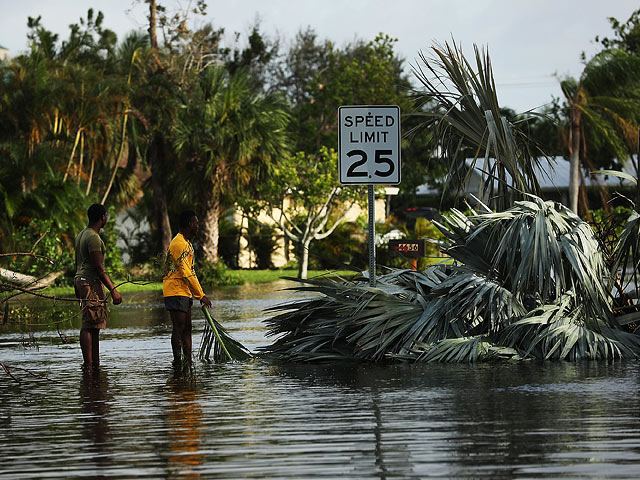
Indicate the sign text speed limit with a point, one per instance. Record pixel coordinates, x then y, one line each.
369 144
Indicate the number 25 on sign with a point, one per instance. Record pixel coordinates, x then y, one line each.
369 144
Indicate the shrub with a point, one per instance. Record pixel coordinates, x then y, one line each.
229 242
217 274
262 242
345 246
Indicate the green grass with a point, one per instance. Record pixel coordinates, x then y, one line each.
266 276
247 276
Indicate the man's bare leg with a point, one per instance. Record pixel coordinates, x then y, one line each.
179 320
95 341
90 345
86 346
186 336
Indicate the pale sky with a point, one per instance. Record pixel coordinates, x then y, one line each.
530 41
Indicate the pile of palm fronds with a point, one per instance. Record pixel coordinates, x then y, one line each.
529 282
217 345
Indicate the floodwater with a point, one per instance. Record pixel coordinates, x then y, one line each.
137 418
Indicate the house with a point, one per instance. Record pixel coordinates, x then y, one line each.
4 53
552 174
284 250
131 226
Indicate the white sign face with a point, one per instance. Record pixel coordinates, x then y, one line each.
369 145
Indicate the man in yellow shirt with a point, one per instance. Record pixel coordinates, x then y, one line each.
180 284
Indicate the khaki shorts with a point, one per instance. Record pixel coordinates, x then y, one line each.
92 304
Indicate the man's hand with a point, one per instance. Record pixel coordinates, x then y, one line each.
117 298
205 301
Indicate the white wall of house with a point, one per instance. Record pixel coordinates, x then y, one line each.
284 251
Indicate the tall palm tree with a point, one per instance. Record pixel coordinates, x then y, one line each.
604 108
227 136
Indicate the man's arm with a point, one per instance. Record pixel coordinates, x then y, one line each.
97 259
182 260
196 289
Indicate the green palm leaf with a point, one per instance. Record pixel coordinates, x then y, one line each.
217 345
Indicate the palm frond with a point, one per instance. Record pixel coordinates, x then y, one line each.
217 345
559 332
467 122
465 349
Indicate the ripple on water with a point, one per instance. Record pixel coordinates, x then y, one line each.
136 417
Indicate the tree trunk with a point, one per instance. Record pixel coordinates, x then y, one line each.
209 228
153 37
574 159
123 145
28 281
161 211
303 267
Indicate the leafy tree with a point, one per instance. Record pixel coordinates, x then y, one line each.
627 34
303 197
229 137
60 103
318 78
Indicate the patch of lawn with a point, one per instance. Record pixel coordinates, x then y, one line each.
247 276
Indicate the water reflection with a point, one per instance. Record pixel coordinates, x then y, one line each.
184 426
135 417
94 402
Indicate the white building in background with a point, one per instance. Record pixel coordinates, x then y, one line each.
130 224
284 249
4 53
552 174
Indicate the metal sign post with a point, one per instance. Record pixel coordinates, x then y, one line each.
369 154
372 235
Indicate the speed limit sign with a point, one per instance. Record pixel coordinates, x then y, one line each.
369 144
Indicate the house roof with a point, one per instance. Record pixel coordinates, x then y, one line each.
552 173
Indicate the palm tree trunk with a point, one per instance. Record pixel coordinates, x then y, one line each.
574 159
123 139
73 152
209 228
93 164
153 37
161 211
80 162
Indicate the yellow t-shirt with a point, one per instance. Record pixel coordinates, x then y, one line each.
181 279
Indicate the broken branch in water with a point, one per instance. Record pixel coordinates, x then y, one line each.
11 286
30 253
21 290
8 372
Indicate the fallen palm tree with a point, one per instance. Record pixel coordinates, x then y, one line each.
528 278
529 282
